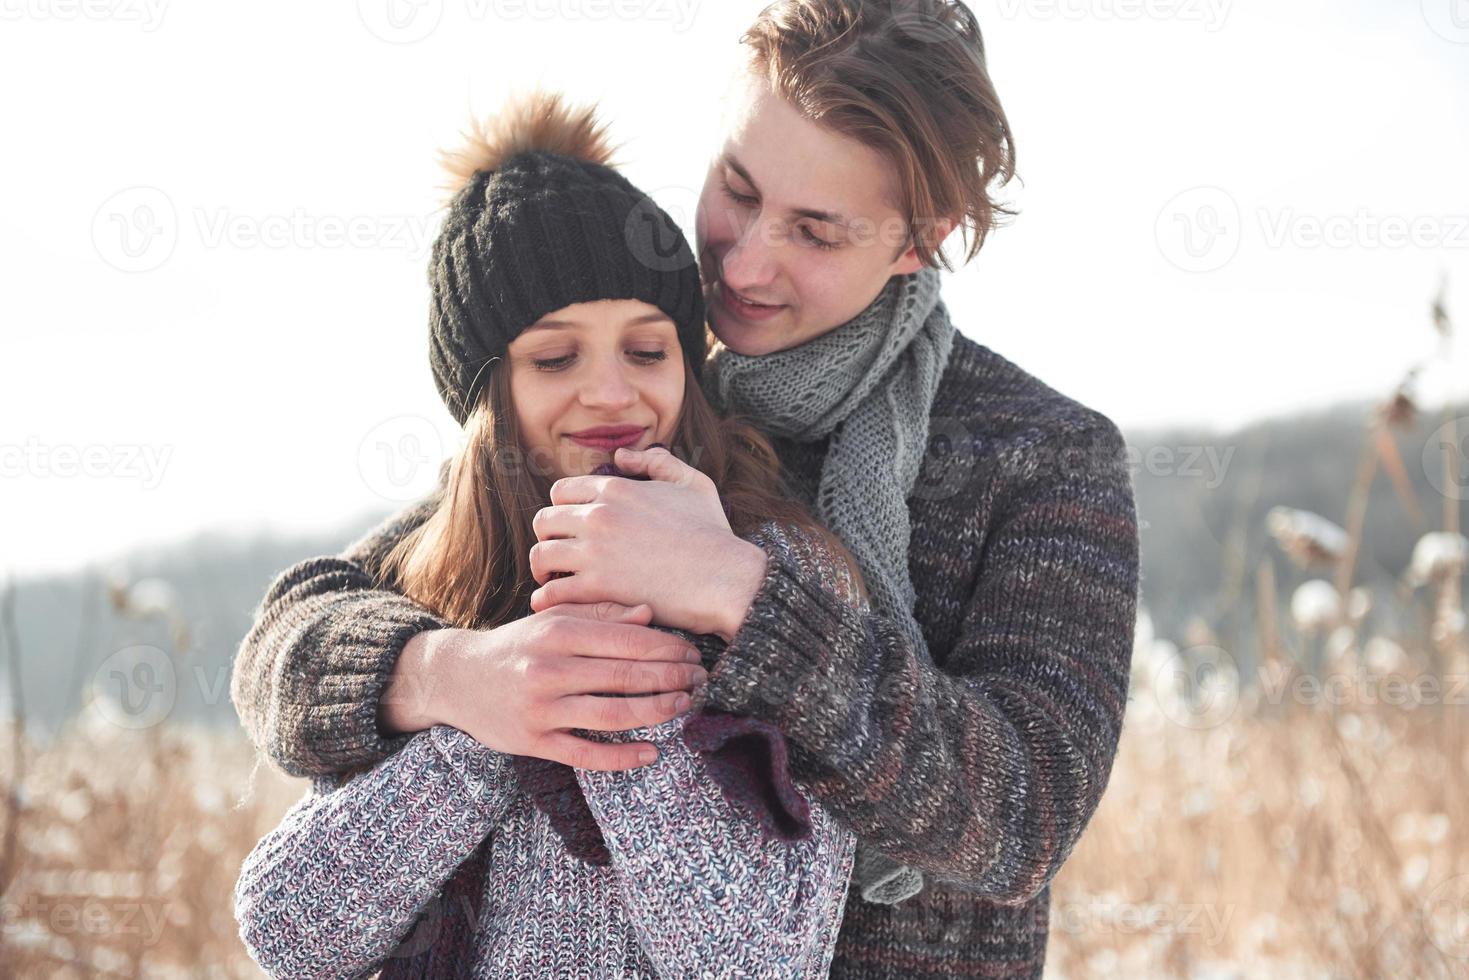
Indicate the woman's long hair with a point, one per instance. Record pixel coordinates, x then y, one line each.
469 563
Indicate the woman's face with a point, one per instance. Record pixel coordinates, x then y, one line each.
592 377
796 229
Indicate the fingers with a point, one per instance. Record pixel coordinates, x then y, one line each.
581 753
620 714
549 557
559 521
558 591
578 489
605 612
588 675
660 464
622 641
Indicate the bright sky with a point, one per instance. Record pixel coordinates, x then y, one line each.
214 223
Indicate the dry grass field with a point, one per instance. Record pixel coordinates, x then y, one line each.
1244 834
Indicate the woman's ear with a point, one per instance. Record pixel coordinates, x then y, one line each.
907 261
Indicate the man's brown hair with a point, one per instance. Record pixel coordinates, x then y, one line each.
907 78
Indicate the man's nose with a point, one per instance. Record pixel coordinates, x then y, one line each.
752 261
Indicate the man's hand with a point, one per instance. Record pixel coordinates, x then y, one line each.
518 688
665 542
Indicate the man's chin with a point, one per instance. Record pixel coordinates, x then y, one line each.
750 340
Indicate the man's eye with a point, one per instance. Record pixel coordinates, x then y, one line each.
735 196
813 240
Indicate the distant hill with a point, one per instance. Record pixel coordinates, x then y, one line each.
1202 497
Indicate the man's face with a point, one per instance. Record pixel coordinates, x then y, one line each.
796 228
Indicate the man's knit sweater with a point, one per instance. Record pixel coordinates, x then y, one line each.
360 876
980 767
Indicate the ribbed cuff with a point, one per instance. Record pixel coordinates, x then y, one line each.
783 665
340 726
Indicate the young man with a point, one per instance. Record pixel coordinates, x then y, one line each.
965 730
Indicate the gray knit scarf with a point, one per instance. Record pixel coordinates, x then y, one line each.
869 385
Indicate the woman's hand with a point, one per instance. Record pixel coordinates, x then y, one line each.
664 542
519 687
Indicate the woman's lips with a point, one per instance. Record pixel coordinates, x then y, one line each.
743 310
608 438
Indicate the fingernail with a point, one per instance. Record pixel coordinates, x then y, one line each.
700 675
694 656
681 703
647 755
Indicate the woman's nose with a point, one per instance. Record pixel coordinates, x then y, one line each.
609 387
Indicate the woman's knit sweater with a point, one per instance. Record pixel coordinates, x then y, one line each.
980 766
356 877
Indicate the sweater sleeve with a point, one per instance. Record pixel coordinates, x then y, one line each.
710 886
982 772
308 676
335 888
707 890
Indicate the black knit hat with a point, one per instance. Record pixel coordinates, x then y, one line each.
540 221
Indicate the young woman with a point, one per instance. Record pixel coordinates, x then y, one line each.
555 341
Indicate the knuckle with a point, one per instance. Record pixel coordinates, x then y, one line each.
558 633
630 646
624 674
579 755
536 672
609 712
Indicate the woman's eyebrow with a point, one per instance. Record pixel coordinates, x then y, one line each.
638 321
829 217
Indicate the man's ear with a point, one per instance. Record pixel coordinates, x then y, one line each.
907 261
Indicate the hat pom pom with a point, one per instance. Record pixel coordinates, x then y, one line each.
539 121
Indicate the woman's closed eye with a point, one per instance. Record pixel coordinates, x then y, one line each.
564 361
